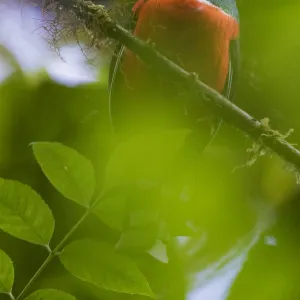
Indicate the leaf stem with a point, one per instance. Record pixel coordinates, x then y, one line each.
51 255
11 296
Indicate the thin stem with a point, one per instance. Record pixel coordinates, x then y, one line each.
69 234
11 296
36 275
51 255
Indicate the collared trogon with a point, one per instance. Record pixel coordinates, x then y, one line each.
199 35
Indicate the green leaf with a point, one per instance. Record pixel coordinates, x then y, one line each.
143 158
6 273
67 170
24 214
159 252
137 238
112 210
50 294
141 218
100 264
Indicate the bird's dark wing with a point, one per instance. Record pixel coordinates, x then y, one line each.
115 77
115 62
231 84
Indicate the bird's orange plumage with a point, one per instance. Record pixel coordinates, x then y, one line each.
192 33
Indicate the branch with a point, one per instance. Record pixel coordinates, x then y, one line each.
98 22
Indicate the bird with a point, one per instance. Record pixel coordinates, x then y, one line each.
202 37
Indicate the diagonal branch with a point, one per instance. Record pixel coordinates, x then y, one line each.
98 22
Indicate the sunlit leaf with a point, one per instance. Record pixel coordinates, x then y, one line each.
50 294
69 172
143 157
6 273
24 214
159 252
100 264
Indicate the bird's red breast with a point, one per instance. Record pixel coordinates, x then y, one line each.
193 33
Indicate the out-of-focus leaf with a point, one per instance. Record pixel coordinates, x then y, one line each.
111 211
9 57
143 157
24 214
278 184
143 218
6 273
159 252
99 263
69 172
137 238
50 294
